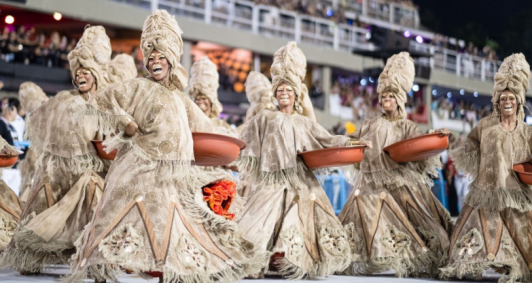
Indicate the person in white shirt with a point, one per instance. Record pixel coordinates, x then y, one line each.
19 124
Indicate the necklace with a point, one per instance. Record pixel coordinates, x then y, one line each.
393 119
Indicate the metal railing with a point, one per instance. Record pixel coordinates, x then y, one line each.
461 64
272 21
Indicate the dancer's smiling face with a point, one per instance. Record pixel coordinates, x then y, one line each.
508 104
285 95
158 66
204 104
388 102
85 80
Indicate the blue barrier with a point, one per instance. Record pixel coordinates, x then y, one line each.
439 190
335 187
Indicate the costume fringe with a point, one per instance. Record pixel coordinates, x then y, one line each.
30 134
77 165
250 167
499 199
390 179
102 272
30 260
420 172
460 270
403 267
293 272
468 162
27 239
108 124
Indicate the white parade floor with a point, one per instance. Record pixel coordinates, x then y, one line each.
9 276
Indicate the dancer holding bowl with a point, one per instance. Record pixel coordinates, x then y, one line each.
392 219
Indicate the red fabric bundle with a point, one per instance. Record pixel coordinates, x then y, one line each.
219 197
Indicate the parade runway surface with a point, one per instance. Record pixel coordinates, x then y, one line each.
55 275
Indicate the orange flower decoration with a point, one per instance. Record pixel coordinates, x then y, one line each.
219 197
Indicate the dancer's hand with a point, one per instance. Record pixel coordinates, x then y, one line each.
356 142
10 151
369 144
132 128
444 132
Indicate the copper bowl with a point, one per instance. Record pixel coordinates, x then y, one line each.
418 148
215 150
334 156
524 171
100 151
8 160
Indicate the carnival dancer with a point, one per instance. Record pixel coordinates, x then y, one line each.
494 229
288 212
66 186
31 96
152 218
10 208
203 89
259 94
392 219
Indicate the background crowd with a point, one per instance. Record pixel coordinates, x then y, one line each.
30 46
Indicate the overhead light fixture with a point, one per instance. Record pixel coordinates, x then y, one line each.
9 19
58 16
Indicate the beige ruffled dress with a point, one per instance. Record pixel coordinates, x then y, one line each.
392 219
10 207
152 216
287 210
65 189
494 228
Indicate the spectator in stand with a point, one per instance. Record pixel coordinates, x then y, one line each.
484 52
18 123
63 53
11 47
53 47
21 40
4 36
31 41
41 52
9 114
